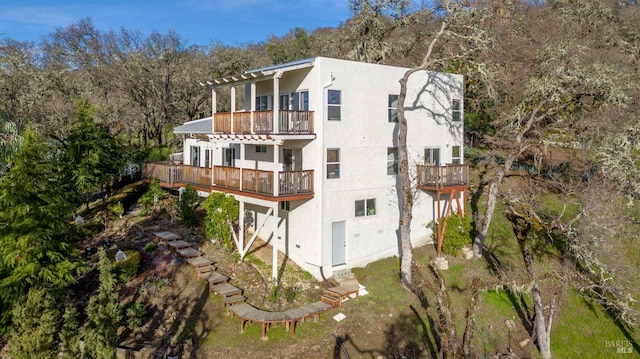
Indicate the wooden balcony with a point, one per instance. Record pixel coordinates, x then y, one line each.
289 122
443 178
258 183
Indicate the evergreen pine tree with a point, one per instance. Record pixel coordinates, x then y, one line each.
35 227
103 316
69 336
33 333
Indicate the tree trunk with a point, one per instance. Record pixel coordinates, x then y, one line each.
494 190
521 228
406 257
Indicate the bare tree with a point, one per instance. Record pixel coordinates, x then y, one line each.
470 39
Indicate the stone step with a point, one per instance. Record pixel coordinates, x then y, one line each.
205 269
227 290
234 299
214 278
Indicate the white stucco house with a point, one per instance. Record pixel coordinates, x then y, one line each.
309 149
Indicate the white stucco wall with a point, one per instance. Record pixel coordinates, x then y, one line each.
363 135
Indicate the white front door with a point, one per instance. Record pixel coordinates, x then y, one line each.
339 244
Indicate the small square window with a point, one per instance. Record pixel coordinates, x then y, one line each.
365 207
261 149
285 205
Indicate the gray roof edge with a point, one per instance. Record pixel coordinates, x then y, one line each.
283 65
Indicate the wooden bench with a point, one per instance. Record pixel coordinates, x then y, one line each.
289 318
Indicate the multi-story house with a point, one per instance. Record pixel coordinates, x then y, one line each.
310 151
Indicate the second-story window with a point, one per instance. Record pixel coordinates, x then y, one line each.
456 155
432 156
261 149
393 108
300 101
263 103
334 102
333 163
456 110
392 160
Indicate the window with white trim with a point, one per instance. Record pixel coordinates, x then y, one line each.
300 101
393 108
392 160
261 149
456 155
365 207
334 102
456 110
432 156
333 163
285 205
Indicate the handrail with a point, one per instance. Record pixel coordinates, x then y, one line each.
289 121
443 176
243 179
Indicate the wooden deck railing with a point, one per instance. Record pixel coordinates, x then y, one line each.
439 177
289 122
255 181
163 171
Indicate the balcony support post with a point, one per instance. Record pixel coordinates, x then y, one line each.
253 106
276 170
214 103
233 105
274 241
241 225
276 102
242 150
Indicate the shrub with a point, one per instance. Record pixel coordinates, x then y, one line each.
186 208
149 247
134 314
456 234
117 209
127 269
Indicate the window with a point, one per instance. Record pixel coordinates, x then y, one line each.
432 156
207 157
456 110
195 156
261 149
300 101
393 108
284 101
392 160
285 205
263 103
333 163
334 101
455 155
366 207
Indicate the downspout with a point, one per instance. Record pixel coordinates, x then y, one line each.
323 170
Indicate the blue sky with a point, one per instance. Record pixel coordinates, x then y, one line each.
233 22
